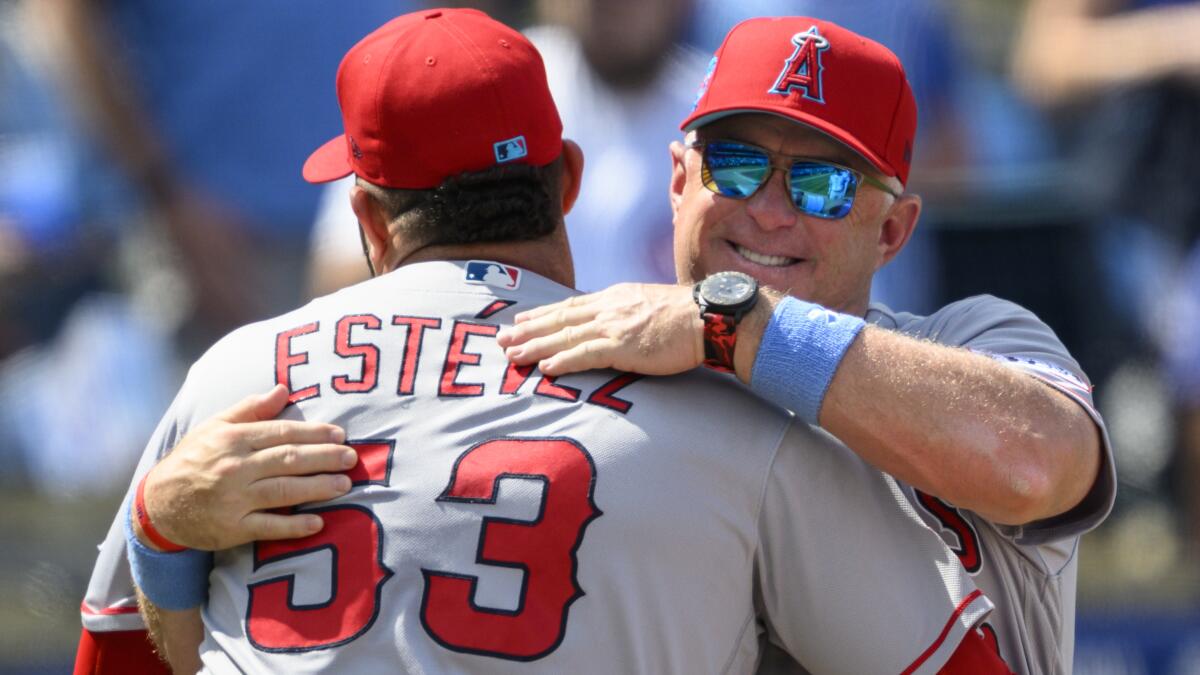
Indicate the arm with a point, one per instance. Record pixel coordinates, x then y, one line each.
104 88
113 639
209 235
951 423
956 424
1071 48
176 635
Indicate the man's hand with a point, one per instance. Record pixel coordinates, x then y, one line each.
653 329
214 489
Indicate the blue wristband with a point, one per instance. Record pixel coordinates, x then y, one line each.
173 581
801 349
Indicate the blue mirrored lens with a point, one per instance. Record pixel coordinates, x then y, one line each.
822 190
818 189
735 170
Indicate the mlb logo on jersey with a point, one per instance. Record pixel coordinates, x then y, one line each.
802 70
510 149
493 274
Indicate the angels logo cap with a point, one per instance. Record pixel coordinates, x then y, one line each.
436 93
819 74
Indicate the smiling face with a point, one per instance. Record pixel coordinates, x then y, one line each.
830 262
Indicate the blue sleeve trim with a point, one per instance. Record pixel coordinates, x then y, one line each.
801 348
173 581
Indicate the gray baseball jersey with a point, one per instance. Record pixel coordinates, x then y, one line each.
502 521
1028 571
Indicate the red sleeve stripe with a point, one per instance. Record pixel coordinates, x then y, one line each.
962 606
117 653
107 611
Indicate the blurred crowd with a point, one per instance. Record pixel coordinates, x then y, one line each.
151 200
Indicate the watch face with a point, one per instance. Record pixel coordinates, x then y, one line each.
728 288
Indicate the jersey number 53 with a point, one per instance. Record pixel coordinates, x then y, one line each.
544 549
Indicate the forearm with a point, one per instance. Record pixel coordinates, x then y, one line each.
952 423
100 81
176 635
1056 57
962 427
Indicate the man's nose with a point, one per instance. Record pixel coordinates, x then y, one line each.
771 207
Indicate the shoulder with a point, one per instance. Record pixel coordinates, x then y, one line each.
232 348
710 399
243 362
962 322
713 415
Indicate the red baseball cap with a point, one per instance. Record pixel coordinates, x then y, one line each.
819 74
436 93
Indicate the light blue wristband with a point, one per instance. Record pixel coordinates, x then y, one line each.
173 581
801 348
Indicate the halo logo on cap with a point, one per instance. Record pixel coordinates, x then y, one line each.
819 75
802 70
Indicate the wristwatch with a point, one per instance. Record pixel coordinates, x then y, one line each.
723 298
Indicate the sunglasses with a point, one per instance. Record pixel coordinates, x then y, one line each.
818 188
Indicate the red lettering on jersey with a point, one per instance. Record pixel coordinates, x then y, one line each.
968 539
497 306
515 377
547 387
374 462
457 357
412 348
275 623
605 394
545 549
285 358
369 354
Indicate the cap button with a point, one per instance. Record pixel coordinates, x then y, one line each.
433 15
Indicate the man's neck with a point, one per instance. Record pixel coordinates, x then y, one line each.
549 256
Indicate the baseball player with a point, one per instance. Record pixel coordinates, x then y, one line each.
978 410
499 520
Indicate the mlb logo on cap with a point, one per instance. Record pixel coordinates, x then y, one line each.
511 149
492 273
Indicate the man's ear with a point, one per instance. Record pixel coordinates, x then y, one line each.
572 178
898 226
373 221
678 174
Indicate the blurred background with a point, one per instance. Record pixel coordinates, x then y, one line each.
151 200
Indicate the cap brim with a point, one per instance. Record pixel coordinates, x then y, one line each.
328 162
831 130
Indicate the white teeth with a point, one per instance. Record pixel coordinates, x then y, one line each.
762 259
